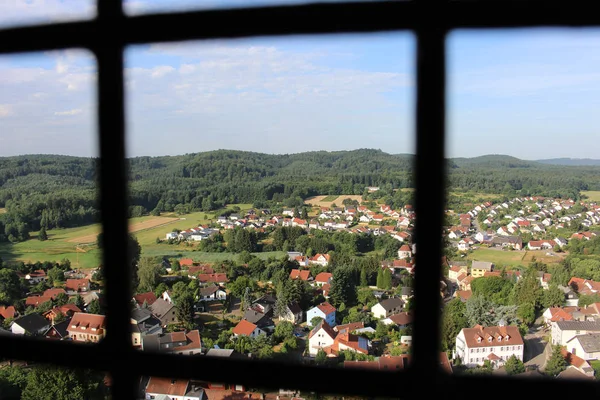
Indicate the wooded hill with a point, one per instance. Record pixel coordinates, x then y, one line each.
60 191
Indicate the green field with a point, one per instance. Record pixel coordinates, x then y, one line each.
59 245
330 198
511 258
476 195
593 195
200 256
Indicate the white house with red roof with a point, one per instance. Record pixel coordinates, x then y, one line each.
321 259
324 337
85 327
404 251
303 275
494 343
247 328
323 278
325 311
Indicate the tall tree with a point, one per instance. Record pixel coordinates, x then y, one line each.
514 366
185 309
42 235
95 308
148 274
343 288
556 363
50 382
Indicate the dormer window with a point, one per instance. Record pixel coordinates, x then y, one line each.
499 338
478 340
490 339
506 338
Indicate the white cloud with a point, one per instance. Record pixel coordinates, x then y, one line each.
21 12
159 72
5 110
74 111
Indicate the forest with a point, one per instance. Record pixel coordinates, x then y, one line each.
50 191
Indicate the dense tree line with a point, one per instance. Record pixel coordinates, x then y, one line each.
59 191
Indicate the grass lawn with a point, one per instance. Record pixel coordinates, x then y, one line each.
593 195
330 198
477 195
511 258
200 256
61 243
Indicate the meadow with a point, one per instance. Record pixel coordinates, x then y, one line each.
79 244
513 258
593 195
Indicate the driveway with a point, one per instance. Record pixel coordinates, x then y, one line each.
536 349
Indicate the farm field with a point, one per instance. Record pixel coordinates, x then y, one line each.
78 244
593 195
327 201
200 256
513 258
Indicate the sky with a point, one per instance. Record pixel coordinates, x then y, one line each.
524 93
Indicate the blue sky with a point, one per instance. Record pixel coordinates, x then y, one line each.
527 93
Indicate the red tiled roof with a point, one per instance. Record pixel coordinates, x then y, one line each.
326 327
77 284
213 278
148 297
298 274
167 386
186 262
323 277
464 294
85 323
402 318
37 300
193 339
493 357
472 334
326 308
244 328
404 247
69 307
54 292
349 327
203 269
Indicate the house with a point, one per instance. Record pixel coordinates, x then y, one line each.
325 311
540 244
164 311
455 270
143 323
36 277
585 346
87 327
321 259
186 262
387 307
261 319
68 310
219 279
463 245
173 343
35 301
401 320
478 268
584 286
404 252
303 275
514 242
77 285
577 367
494 343
246 328
53 293
553 314
293 313
58 331
32 324
544 279
148 297
322 335
171 236
351 327
194 270
212 293
173 389
323 278
563 331
464 282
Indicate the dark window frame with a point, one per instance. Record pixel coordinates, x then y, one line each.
108 34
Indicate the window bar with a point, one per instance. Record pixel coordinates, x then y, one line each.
113 197
430 115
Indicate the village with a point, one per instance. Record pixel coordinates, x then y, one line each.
316 314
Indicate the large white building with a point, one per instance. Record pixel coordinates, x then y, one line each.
564 331
494 343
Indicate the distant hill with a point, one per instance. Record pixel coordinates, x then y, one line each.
570 161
